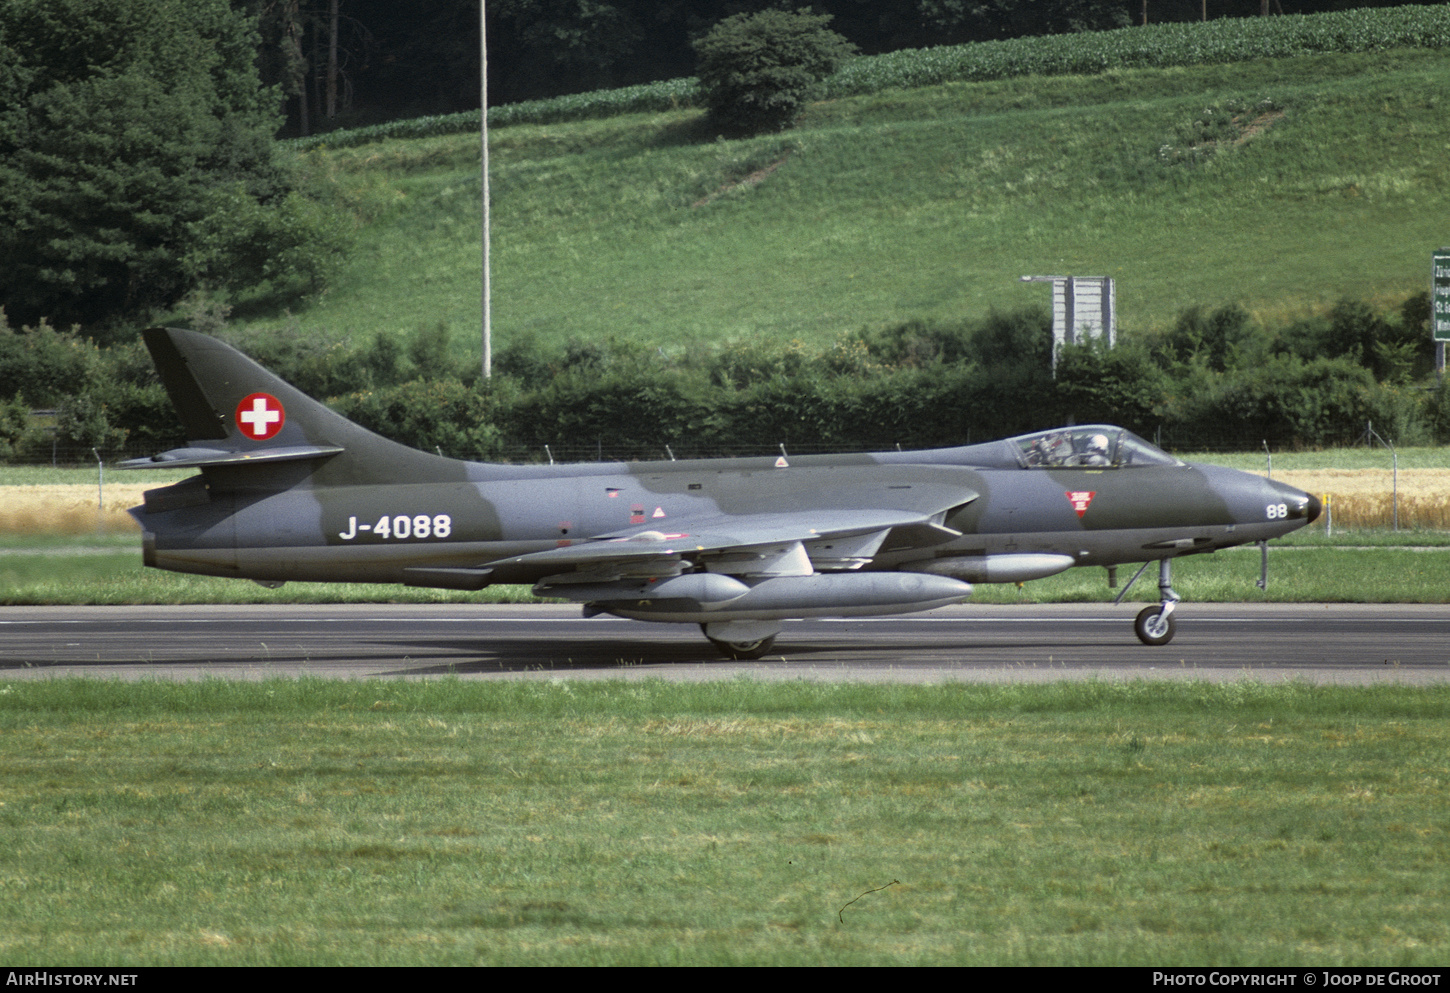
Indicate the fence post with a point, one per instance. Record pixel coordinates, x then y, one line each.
100 491
1373 435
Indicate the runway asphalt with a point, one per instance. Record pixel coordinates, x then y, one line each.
1322 643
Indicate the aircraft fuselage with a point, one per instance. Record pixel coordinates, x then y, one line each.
289 490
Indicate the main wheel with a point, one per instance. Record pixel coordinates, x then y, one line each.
1152 628
743 649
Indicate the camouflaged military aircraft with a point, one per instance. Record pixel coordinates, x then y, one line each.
290 490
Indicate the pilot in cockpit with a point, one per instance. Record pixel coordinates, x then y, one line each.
1096 452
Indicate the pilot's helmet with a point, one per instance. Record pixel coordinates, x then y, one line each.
1098 444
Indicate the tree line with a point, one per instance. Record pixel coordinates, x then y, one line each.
363 61
1216 379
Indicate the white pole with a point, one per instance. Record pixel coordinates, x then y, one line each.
483 107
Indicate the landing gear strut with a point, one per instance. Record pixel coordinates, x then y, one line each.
743 649
1154 625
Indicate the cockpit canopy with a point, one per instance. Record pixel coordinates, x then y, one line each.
1091 446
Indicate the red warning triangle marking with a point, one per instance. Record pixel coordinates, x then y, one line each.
1081 500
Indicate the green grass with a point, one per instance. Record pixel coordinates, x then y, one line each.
44 475
925 203
97 572
318 822
1312 573
1354 539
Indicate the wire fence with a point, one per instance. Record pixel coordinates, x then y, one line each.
603 450
91 493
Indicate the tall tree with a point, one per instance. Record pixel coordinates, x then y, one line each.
120 120
979 20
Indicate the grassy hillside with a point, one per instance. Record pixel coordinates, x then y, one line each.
1282 184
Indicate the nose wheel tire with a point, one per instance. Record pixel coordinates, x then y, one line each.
1152 627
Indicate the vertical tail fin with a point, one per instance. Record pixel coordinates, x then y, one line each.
236 413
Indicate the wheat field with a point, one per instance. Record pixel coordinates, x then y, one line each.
1358 498
70 508
1364 498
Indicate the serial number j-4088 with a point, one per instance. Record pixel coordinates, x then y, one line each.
401 526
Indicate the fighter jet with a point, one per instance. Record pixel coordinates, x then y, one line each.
288 490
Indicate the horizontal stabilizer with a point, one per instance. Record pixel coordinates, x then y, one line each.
196 458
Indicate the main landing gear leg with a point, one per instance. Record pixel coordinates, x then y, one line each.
742 639
1154 625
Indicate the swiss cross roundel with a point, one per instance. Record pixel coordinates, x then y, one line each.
260 416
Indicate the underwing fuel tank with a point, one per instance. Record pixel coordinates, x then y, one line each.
996 568
824 595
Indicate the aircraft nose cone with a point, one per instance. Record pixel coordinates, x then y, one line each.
1312 509
1298 505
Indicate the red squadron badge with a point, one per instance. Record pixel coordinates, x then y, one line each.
260 416
1081 500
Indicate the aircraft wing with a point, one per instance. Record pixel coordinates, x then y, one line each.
772 544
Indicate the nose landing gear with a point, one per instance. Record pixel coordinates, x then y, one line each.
1154 625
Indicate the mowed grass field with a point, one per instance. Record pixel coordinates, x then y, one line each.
445 822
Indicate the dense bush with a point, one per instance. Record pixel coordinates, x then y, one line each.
758 70
323 365
916 344
1287 401
84 422
14 422
1216 378
44 364
116 411
291 246
635 411
1222 339
1121 385
440 415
